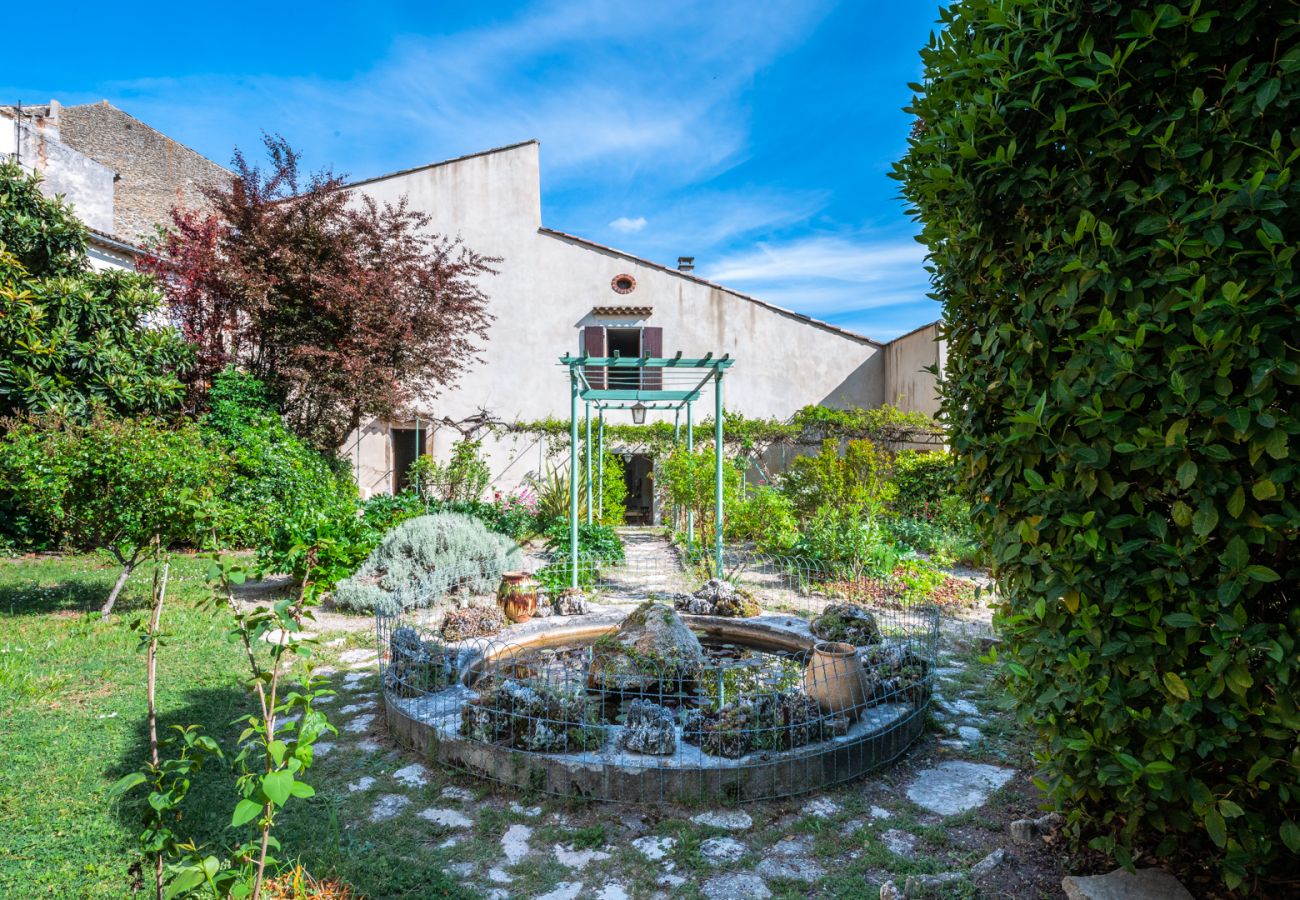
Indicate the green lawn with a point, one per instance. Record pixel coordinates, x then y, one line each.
72 719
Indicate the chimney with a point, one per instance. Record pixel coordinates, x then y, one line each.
686 264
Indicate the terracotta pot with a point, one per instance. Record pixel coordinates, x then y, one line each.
836 679
517 596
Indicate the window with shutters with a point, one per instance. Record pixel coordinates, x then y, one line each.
626 342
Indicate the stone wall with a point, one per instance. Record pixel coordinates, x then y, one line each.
154 172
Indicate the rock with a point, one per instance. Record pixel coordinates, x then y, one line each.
793 845
1028 831
969 734
364 783
822 808
651 649
458 793
960 707
654 848
322 748
499 875
578 859
355 678
565 890
742 886
991 863
388 806
899 843
849 623
612 890
366 746
514 843
1144 884
954 787
519 809
930 885
545 608
721 850
890 891
571 602
651 729
353 708
461 870
731 820
351 657
879 812
793 868
414 775
447 818
692 605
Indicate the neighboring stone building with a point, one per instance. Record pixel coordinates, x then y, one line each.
557 293
120 175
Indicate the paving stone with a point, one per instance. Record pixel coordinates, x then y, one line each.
899 843
654 848
497 894
514 843
388 806
722 850
960 707
364 783
352 679
414 775
519 809
461 870
732 820
1144 884
931 885
337 642
499 875
578 859
273 636
794 868
353 708
359 725
969 734
369 746
349 657
464 795
322 749
448 818
822 808
565 890
322 701
890 891
670 880
739 886
956 786
879 812
949 671
793 845
852 826
991 863
613 891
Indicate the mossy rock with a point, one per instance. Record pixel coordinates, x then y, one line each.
652 650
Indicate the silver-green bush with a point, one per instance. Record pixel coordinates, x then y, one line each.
422 559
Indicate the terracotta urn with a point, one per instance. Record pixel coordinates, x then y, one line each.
517 596
836 679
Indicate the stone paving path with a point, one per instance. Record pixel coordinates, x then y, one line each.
886 833
651 565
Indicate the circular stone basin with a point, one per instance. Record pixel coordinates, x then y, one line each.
523 712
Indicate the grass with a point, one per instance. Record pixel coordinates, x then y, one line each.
72 721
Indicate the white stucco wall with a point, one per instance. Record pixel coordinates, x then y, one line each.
84 183
547 287
907 384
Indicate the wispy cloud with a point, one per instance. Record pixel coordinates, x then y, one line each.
628 226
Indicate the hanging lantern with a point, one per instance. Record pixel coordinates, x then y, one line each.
638 414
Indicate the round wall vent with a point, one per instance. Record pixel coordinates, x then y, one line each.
623 284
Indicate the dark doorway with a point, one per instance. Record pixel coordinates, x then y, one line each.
638 475
624 342
408 445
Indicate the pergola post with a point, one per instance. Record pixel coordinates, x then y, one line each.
717 473
677 439
690 511
573 475
600 465
586 446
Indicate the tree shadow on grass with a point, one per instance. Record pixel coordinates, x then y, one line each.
37 586
310 831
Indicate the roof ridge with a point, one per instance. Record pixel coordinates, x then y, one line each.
443 162
818 323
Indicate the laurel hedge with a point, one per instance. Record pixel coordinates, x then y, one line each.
1108 193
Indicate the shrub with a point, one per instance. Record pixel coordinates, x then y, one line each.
462 479
842 541
330 543
858 477
687 479
422 558
924 479
275 474
1109 195
765 516
122 485
599 542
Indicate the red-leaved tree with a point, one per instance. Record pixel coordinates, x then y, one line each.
344 308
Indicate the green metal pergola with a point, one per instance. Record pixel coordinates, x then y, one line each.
638 398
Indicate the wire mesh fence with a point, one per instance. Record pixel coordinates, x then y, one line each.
775 679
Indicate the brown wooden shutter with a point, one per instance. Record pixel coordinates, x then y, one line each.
652 344
593 344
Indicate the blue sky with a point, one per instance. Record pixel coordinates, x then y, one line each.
755 136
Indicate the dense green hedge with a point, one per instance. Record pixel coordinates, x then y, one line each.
1108 194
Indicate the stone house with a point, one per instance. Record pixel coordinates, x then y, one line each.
120 175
